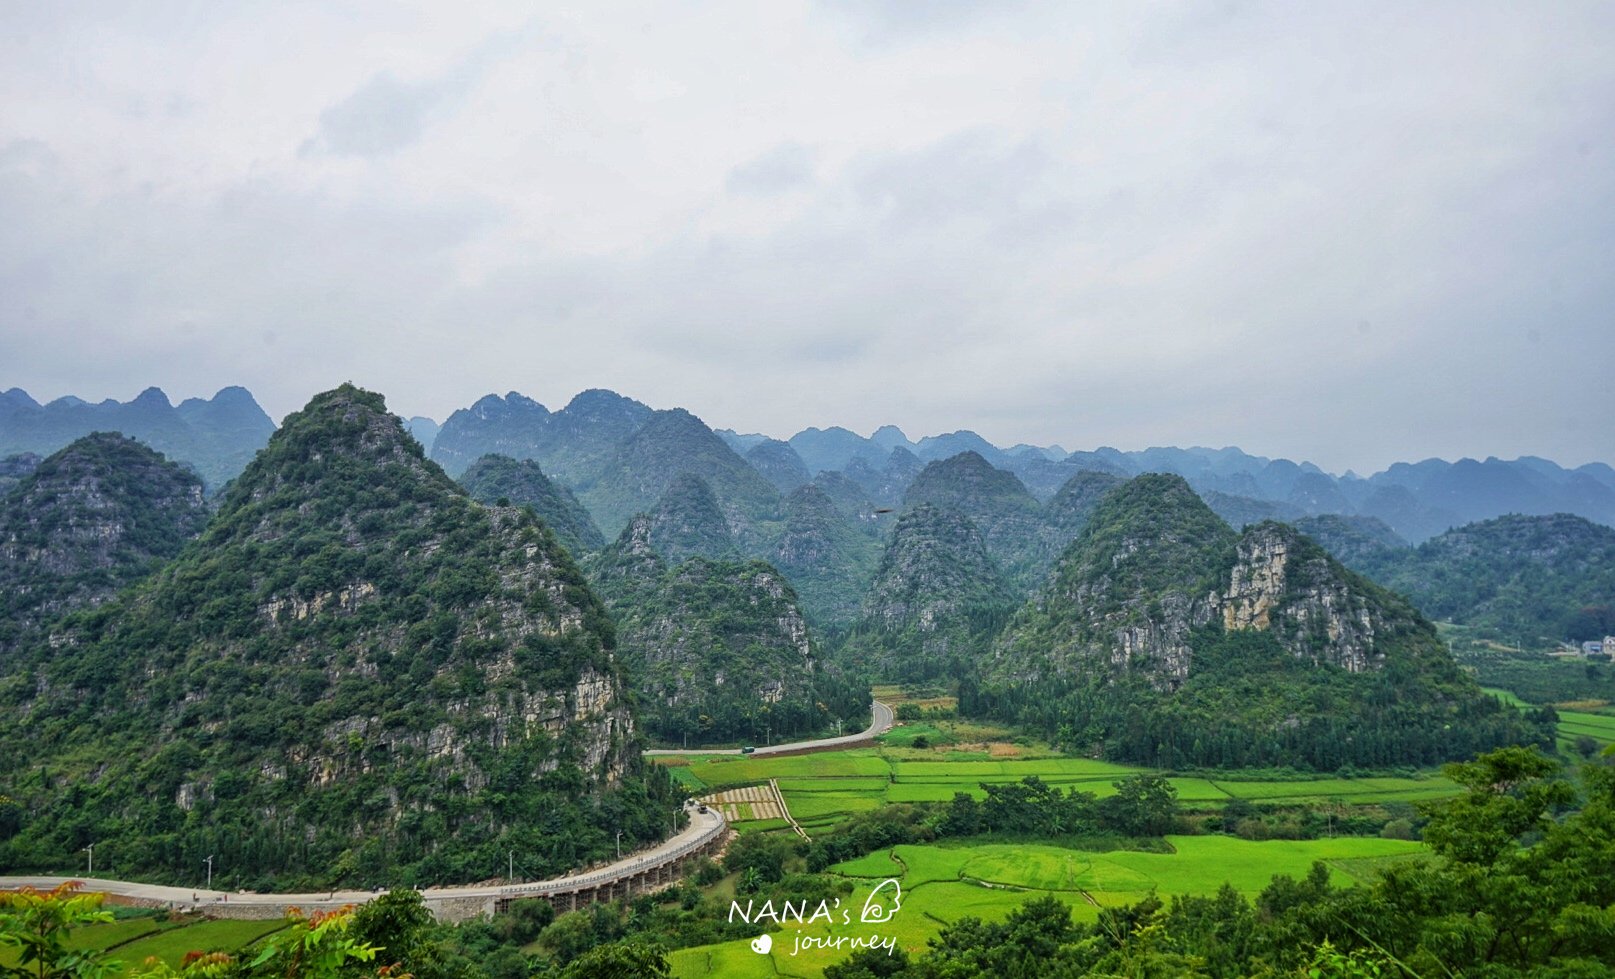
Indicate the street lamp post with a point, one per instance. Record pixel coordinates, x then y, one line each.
510 875
91 851
619 844
210 871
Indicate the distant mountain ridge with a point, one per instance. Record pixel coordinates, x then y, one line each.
1544 578
1417 500
217 437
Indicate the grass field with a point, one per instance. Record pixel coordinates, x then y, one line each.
133 941
943 884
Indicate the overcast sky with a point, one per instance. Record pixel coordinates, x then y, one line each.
1345 232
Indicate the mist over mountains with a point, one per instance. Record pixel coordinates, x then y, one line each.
217 437
1417 500
619 455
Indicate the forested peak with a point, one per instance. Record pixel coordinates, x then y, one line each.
513 404
598 401
827 554
810 501
1548 578
936 563
153 397
1542 537
903 459
17 397
1158 507
890 435
1356 541
631 557
688 521
350 620
1076 499
779 464
494 478
344 436
1138 578
674 422
1088 484
929 521
103 453
967 481
88 520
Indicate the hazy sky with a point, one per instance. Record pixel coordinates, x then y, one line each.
1345 232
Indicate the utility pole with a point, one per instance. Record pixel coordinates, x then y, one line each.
210 871
91 851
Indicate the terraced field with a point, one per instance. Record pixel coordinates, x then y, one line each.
1599 727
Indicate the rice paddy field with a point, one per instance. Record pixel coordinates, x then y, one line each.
823 789
945 882
941 884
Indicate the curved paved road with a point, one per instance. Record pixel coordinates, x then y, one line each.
880 721
702 829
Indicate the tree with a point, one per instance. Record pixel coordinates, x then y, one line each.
618 960
36 923
1511 791
1144 805
398 925
761 852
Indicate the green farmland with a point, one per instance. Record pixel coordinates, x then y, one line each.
954 879
132 941
942 884
823 789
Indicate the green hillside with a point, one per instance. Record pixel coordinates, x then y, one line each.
496 478
356 674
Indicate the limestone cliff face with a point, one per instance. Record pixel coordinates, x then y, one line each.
1284 583
1127 594
1160 643
1156 564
